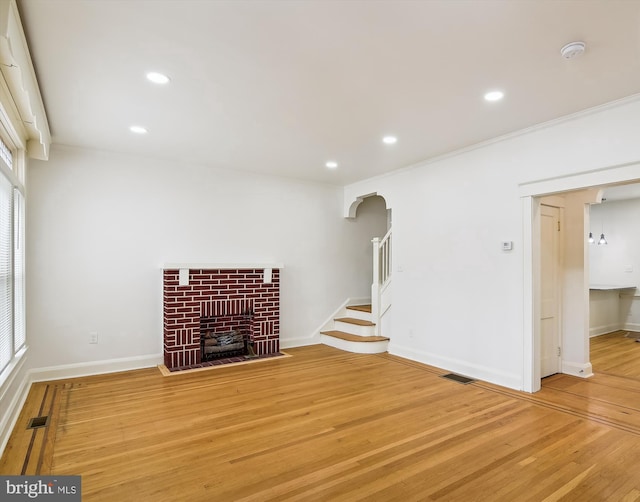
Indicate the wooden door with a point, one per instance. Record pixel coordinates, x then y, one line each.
550 359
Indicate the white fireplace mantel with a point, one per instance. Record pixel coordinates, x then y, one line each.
220 266
185 268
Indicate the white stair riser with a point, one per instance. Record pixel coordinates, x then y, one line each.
356 347
356 314
355 329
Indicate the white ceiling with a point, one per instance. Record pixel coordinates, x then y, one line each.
281 87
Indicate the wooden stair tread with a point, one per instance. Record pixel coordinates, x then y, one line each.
361 308
354 338
351 320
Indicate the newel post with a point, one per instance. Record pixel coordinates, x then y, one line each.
375 285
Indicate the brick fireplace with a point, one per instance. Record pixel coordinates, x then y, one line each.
219 301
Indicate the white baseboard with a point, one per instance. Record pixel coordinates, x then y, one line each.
632 326
603 330
288 343
510 380
95 367
582 370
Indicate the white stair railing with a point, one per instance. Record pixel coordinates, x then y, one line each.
381 275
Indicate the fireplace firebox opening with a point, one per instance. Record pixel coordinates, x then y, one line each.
226 336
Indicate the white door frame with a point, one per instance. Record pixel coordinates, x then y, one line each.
530 193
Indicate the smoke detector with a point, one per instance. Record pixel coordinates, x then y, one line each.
572 50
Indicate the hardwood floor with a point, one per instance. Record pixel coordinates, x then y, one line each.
326 425
617 354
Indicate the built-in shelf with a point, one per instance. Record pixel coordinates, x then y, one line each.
609 287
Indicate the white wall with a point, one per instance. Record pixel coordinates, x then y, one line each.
617 263
101 225
459 299
605 313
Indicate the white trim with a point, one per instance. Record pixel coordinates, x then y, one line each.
350 212
289 343
95 367
632 326
594 178
354 329
530 295
522 132
12 410
485 373
577 369
219 266
355 347
17 70
603 330
9 373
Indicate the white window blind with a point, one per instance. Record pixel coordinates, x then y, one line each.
19 335
5 154
6 269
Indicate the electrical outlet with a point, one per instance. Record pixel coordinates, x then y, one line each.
93 337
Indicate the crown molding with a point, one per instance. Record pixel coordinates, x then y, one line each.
24 103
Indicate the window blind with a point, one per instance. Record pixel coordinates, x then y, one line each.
19 334
6 269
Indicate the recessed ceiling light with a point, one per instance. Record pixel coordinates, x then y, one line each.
157 78
138 129
331 164
494 96
390 140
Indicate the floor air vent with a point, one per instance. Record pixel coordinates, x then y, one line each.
37 422
458 378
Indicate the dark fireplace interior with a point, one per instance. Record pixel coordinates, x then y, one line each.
225 336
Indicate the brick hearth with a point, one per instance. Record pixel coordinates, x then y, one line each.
218 293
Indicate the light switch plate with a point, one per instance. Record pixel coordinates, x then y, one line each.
507 245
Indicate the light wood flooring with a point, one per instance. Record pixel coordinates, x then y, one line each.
326 425
616 354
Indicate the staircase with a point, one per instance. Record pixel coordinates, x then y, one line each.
353 331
